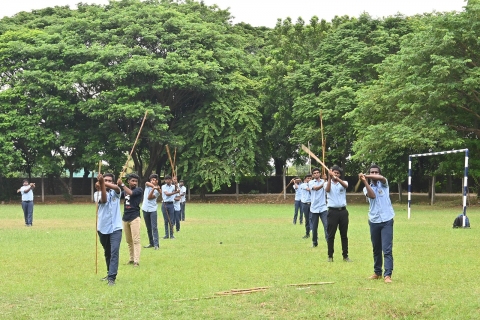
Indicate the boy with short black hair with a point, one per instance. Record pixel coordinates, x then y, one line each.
306 201
169 191
337 216
318 207
131 216
298 197
149 208
109 224
380 219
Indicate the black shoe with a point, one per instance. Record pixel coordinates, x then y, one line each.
104 278
178 230
330 259
314 245
172 237
130 262
111 282
301 222
166 237
347 259
306 236
156 247
294 222
149 246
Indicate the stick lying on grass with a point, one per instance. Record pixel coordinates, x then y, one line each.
241 291
308 284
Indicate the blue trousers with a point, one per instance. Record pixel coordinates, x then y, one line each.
178 216
111 246
151 222
315 220
168 218
308 218
27 207
382 240
182 206
298 208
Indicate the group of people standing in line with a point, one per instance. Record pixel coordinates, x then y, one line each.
323 198
110 222
318 198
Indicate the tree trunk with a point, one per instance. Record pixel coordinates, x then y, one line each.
400 192
279 164
433 191
203 192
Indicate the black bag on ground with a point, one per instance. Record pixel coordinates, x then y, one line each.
458 222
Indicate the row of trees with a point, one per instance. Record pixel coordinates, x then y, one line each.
75 85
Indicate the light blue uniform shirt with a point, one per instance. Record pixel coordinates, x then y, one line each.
26 196
319 203
337 197
298 193
150 205
183 192
305 194
169 189
109 217
381 209
176 206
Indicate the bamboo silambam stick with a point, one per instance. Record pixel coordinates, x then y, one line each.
134 144
171 162
323 142
283 191
314 156
308 284
96 224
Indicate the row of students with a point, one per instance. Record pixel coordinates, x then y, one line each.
324 199
110 222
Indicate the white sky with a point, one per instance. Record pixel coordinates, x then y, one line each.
266 12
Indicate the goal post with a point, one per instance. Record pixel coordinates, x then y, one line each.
465 178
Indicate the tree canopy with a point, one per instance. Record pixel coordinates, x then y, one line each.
75 85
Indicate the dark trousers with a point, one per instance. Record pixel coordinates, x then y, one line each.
182 207
27 207
168 218
337 219
111 247
178 216
315 220
382 240
151 222
306 213
298 208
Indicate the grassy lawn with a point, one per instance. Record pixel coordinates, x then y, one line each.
48 271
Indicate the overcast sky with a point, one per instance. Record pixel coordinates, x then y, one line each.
266 12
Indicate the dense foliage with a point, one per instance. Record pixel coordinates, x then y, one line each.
75 84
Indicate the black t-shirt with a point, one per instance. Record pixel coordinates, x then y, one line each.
131 209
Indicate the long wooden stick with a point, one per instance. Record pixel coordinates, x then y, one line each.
309 158
323 142
314 156
134 144
175 159
308 284
284 190
170 159
96 225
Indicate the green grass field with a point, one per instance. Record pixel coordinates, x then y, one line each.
48 271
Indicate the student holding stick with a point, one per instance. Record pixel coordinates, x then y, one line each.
109 224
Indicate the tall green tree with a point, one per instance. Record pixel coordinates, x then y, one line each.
427 95
92 73
343 63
